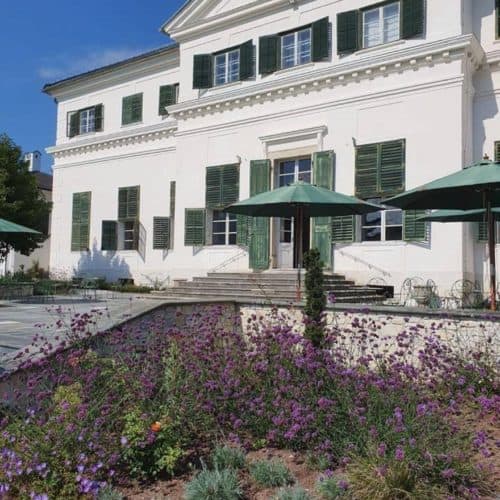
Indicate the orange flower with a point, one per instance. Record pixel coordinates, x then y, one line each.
156 426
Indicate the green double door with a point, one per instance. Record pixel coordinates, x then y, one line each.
260 181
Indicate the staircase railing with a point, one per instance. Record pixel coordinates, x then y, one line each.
229 260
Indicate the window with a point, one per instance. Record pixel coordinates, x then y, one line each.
80 224
291 171
224 228
227 67
85 121
381 25
129 235
232 65
132 109
386 225
169 95
296 48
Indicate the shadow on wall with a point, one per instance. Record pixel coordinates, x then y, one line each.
98 264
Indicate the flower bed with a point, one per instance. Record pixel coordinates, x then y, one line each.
146 401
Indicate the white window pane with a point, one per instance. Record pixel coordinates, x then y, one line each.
220 69
234 66
304 50
391 22
288 51
371 28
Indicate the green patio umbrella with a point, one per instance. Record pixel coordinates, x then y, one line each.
459 215
301 200
474 187
11 227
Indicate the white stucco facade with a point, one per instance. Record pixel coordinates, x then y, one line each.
438 91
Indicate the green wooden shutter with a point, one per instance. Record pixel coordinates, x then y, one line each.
321 40
202 71
98 117
74 124
132 109
392 168
213 187
482 232
497 18
269 54
168 96
230 184
323 176
161 233
348 31
80 227
194 227
366 171
243 226
413 18
343 229
260 181
172 212
246 60
109 235
497 149
413 229
128 202
222 186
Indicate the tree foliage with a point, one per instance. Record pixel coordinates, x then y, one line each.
20 200
315 297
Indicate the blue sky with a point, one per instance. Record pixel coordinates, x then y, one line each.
44 41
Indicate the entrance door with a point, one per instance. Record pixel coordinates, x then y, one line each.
291 171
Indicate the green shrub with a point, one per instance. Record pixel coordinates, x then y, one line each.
109 493
271 473
370 477
329 489
214 485
146 457
292 494
227 457
315 298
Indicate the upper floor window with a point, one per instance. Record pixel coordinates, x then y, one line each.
169 94
227 67
85 120
296 48
235 64
381 25
292 48
132 109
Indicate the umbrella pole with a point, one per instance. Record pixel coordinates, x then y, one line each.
491 251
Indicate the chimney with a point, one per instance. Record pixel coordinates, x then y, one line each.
35 161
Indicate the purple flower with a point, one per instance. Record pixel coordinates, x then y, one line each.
448 473
399 454
382 448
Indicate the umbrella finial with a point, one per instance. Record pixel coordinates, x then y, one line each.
486 157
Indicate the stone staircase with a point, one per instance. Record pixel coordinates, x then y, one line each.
273 286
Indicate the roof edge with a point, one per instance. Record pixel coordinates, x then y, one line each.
50 87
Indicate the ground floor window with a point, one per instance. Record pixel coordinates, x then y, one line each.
224 228
385 225
129 229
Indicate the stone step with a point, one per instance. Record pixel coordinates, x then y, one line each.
236 291
271 276
288 281
341 285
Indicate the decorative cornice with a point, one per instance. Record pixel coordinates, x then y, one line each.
294 135
116 140
366 67
191 22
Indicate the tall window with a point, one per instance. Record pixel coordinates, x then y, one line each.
224 228
227 67
381 25
296 48
129 235
384 225
291 171
87 120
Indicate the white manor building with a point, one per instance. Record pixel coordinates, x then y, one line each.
362 97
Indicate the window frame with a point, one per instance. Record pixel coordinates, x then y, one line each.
227 72
380 8
227 220
383 224
90 119
296 52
